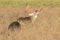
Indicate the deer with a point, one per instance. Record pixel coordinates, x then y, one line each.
30 18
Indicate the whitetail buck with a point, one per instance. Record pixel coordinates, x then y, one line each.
31 18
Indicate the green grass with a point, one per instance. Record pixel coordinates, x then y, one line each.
13 3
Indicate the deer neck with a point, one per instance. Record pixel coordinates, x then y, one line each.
33 17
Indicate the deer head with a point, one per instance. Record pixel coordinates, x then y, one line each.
34 15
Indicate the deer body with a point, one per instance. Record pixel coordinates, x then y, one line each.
31 18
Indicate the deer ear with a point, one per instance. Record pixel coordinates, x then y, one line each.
31 14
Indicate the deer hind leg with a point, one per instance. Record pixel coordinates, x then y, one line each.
14 25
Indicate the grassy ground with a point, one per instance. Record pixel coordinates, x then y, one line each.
46 27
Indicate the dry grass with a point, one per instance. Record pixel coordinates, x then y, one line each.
46 27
